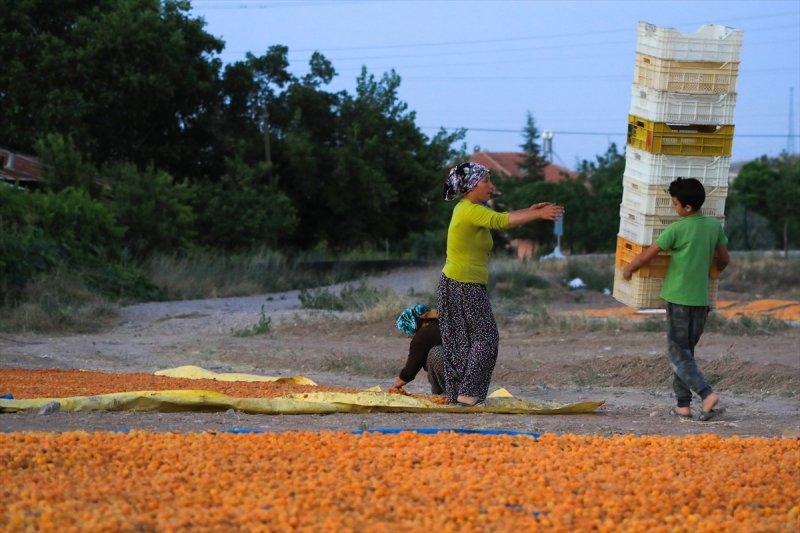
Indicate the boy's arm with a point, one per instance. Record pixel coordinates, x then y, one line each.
640 260
722 258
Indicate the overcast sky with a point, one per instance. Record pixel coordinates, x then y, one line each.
483 65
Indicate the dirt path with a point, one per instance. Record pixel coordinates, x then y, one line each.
758 377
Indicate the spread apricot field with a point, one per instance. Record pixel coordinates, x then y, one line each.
447 482
54 383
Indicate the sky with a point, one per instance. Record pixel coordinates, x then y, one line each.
484 65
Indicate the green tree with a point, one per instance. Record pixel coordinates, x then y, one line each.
597 225
747 230
771 188
124 79
64 165
533 162
243 211
154 210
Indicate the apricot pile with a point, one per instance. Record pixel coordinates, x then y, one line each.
445 482
54 383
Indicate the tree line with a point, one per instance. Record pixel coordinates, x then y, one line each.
151 144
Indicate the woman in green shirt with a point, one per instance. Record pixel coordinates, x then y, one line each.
469 332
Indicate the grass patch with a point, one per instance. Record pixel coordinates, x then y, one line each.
768 276
263 327
744 325
351 297
59 303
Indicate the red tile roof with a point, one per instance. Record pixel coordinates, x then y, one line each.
508 163
19 167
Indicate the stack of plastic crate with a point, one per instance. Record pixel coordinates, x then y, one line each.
680 124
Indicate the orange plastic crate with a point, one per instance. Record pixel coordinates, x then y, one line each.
656 268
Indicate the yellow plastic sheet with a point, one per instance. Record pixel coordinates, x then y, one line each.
304 403
372 400
196 372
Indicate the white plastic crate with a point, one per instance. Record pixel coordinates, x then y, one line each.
712 42
691 77
639 292
655 199
664 106
644 229
659 169
645 293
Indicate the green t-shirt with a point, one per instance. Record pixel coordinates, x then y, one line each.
469 241
692 241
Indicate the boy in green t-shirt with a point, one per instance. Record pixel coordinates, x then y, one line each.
695 242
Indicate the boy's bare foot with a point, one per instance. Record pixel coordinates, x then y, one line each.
685 412
710 402
710 408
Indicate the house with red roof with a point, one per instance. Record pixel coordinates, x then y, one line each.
508 163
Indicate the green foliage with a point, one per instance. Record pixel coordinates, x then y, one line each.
744 325
41 233
352 297
591 201
533 162
125 79
763 276
594 224
771 188
512 279
154 211
58 301
243 211
429 244
64 165
597 275
263 327
747 230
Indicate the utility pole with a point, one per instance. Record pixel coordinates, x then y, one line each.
790 136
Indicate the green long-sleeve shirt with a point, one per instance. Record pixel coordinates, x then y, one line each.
469 241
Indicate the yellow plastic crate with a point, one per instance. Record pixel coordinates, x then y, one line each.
680 139
689 77
645 293
627 251
655 199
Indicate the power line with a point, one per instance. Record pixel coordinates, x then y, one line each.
598 133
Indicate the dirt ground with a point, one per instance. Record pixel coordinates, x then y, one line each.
758 377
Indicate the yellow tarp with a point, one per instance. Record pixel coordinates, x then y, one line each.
305 403
368 401
196 372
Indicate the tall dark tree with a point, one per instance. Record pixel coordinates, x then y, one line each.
125 79
533 162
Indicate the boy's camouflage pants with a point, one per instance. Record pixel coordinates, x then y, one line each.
685 326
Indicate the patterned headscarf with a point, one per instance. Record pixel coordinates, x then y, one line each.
407 321
462 179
